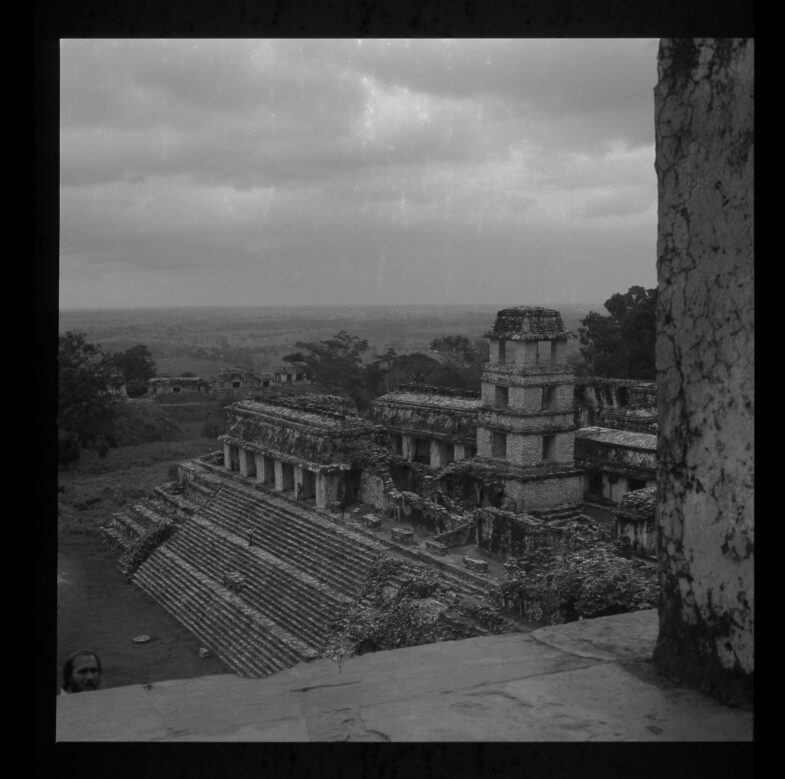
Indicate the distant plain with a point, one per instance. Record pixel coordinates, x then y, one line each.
203 340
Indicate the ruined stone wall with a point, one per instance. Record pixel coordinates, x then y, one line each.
704 108
616 458
544 493
504 533
374 490
635 420
412 508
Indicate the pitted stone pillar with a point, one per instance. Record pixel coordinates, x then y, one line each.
228 457
259 465
407 447
278 475
327 488
247 462
440 454
459 452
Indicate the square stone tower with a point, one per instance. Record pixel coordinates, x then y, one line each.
527 390
526 425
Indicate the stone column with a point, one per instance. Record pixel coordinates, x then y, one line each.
407 447
326 488
228 457
259 466
278 475
440 454
247 463
459 452
704 109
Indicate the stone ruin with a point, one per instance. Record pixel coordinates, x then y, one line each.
622 404
306 495
240 382
273 514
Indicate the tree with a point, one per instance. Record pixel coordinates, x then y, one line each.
136 363
411 368
135 388
462 361
84 404
458 351
335 363
622 345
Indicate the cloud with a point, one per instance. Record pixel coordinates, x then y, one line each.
306 169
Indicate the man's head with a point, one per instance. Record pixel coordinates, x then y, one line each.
82 672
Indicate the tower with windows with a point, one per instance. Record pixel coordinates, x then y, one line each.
526 422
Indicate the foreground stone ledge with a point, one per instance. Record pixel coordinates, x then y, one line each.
583 681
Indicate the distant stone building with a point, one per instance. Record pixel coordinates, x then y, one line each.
292 373
241 381
176 385
314 448
116 386
615 462
622 404
429 426
513 446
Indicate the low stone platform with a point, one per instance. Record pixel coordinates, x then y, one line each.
584 681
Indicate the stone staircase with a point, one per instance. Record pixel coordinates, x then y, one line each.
247 642
335 556
456 576
264 607
129 525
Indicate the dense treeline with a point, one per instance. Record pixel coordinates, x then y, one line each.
621 345
340 364
85 414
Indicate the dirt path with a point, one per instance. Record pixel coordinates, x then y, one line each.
98 608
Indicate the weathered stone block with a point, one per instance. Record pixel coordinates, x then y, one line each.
481 566
372 522
435 547
402 536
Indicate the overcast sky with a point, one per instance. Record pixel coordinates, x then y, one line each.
286 172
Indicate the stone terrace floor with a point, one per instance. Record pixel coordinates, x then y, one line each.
584 681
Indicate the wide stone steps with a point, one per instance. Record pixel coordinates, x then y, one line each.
236 632
327 535
303 647
263 564
305 539
281 596
332 563
172 495
195 609
147 514
332 537
116 535
289 549
303 516
126 523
